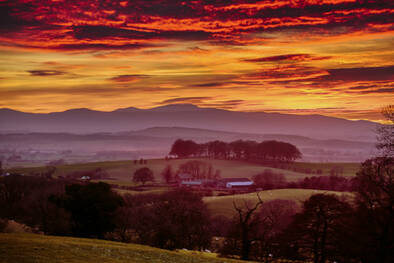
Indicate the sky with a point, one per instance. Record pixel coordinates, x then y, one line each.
330 57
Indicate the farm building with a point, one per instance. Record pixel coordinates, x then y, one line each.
85 178
235 183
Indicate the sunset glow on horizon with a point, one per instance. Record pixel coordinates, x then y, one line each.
330 57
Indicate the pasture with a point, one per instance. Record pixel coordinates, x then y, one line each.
223 205
121 172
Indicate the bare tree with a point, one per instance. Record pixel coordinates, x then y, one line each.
375 200
247 222
385 133
167 174
315 230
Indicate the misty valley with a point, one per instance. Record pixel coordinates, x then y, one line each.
30 139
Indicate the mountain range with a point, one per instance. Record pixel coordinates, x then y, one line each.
86 121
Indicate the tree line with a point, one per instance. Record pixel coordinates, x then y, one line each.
269 179
326 227
266 151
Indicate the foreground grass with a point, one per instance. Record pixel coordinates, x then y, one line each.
223 205
26 248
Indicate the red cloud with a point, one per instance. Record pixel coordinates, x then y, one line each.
95 24
288 57
127 78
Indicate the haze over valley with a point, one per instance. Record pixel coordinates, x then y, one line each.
86 135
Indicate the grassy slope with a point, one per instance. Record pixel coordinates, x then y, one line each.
122 171
223 205
25 248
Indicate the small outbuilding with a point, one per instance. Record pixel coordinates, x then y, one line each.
85 178
197 183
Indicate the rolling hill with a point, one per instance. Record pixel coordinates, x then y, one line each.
33 248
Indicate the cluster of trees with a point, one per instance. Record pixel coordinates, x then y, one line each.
266 151
141 161
196 169
171 220
26 199
271 180
331 182
174 219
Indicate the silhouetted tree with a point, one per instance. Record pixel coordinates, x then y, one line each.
143 175
238 149
218 150
274 217
245 224
217 174
182 221
269 180
184 149
175 219
126 216
374 186
197 169
336 171
332 182
167 174
315 229
26 200
3 224
92 207
385 133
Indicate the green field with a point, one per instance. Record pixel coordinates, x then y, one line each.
223 205
121 172
26 248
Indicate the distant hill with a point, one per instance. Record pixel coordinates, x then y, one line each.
186 115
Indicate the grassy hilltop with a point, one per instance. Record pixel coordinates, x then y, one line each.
32 248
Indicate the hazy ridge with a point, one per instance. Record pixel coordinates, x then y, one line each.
186 115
